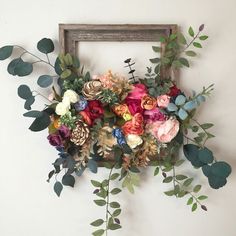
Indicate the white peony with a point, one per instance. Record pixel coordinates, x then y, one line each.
72 96
62 109
133 140
66 101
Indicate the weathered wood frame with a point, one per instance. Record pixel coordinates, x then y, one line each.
71 34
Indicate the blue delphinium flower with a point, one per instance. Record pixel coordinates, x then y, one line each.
117 132
81 104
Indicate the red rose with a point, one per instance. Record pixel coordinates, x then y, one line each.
134 105
134 126
93 111
174 91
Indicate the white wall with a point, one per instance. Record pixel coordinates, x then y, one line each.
28 205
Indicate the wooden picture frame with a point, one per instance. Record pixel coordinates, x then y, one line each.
71 34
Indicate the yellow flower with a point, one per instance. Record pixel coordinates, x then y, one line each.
127 116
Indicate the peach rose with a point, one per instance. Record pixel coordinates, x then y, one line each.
121 109
134 126
148 102
163 101
166 131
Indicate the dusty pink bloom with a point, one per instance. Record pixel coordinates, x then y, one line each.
153 115
163 101
138 91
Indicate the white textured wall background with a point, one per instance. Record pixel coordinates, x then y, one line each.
28 205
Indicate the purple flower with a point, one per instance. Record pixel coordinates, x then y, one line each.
55 140
81 104
64 132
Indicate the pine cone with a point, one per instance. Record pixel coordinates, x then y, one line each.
80 134
92 89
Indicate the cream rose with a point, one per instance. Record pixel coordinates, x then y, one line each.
167 130
163 101
72 96
133 140
62 109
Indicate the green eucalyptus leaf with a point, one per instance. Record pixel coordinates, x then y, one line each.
99 232
97 223
221 169
11 66
45 45
5 52
66 73
68 180
205 155
33 114
24 92
45 81
58 188
100 202
41 122
23 68
29 102
93 166
180 100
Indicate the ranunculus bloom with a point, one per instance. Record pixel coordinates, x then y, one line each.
134 106
174 91
55 140
164 131
154 115
148 102
163 101
134 126
93 111
121 109
138 91
62 109
71 95
64 132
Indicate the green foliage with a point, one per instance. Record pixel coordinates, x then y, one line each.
68 180
69 120
5 52
99 232
19 67
97 223
58 188
92 165
130 181
45 45
41 122
45 81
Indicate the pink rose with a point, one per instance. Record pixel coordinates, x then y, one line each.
163 101
167 130
139 90
154 115
134 106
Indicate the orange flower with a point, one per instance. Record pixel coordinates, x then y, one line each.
121 109
134 126
56 123
148 102
86 117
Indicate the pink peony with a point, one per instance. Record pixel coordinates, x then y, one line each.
154 115
134 106
163 101
167 130
139 90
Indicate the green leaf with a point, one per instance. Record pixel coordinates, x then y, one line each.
195 128
190 201
5 52
203 37
30 101
181 177
58 188
205 155
156 171
221 169
45 45
23 68
105 183
41 122
197 45
191 53
114 205
66 73
114 226
187 182
116 212
115 191
11 66
97 223
202 197
102 193
184 61
165 60
182 39
207 125
99 232
33 114
96 183
181 193
162 39
68 180
156 49
179 162
197 188
155 60
170 193
168 179
114 176
24 92
191 32
100 202
93 166
194 207
45 81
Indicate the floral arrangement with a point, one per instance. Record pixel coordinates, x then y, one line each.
122 123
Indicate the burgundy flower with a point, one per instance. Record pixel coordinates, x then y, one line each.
154 115
55 140
64 132
134 106
174 91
